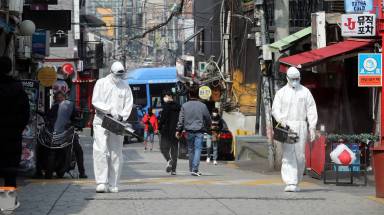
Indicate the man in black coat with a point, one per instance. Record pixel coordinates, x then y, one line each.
14 116
167 126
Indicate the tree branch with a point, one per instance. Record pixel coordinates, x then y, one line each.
154 28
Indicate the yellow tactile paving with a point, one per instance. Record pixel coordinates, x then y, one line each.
232 165
379 200
261 182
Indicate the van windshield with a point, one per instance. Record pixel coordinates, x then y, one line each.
139 94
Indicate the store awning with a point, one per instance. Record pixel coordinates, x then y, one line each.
290 40
316 56
91 21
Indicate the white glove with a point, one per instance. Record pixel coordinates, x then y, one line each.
312 134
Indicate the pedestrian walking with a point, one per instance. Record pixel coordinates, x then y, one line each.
150 129
295 107
14 115
216 127
195 119
167 127
113 96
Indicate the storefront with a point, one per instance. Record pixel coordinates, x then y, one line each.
345 110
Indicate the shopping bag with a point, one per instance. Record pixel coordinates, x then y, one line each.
343 155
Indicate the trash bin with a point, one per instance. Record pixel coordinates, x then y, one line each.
378 165
8 199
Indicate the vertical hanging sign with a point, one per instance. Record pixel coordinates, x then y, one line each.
76 19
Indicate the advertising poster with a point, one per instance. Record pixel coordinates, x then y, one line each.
27 163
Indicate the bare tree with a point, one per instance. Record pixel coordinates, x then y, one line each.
154 28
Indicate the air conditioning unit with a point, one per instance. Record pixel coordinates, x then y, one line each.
24 45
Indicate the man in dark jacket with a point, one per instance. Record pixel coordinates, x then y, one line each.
167 125
195 119
60 117
14 115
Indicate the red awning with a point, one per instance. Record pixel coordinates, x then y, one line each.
316 56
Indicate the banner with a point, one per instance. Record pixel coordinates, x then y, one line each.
28 156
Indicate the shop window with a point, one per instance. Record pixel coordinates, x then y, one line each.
200 43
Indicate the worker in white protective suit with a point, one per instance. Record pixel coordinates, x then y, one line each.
111 95
294 106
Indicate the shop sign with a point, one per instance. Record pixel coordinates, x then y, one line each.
67 68
358 25
40 43
47 76
205 92
369 70
355 6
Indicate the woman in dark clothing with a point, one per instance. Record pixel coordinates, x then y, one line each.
167 127
14 115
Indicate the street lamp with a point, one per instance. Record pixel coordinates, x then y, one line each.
27 28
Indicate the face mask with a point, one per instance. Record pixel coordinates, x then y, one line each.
294 83
214 114
166 99
116 79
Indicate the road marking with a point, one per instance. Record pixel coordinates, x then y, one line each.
174 180
374 198
232 165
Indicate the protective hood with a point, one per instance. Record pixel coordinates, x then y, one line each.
118 70
293 77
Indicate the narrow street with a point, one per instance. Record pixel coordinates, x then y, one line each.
223 189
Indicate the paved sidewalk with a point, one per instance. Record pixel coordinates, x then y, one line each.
223 189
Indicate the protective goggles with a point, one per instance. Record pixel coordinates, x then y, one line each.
120 72
294 79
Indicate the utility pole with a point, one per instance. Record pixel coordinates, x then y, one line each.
124 32
378 150
281 18
263 113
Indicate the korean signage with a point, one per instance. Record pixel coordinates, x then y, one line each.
369 70
355 6
205 92
47 76
358 25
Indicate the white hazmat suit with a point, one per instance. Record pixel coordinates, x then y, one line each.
294 106
111 95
